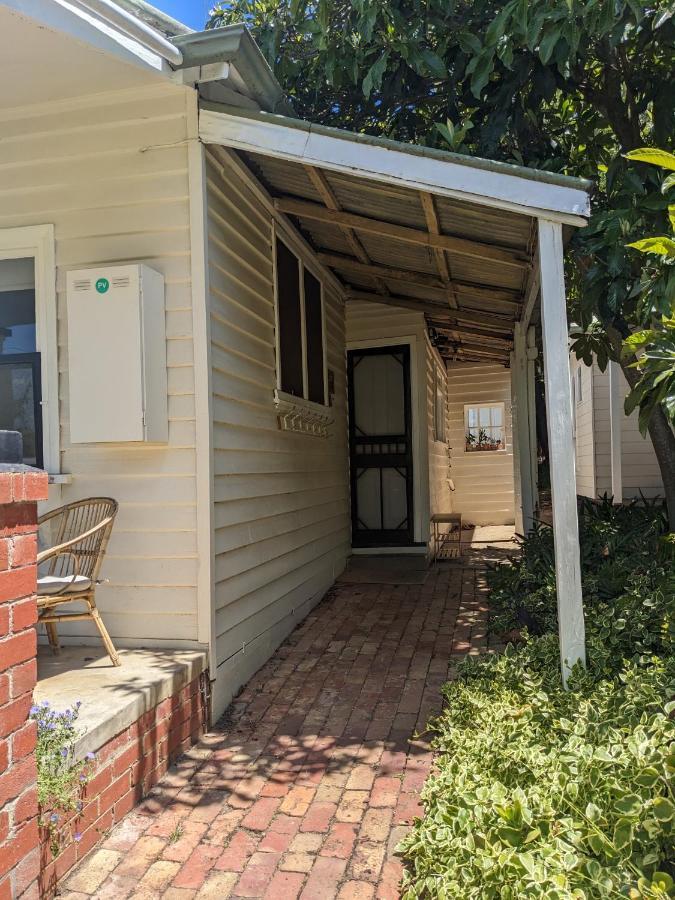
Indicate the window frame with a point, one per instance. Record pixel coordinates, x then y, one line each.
498 404
37 241
440 384
303 264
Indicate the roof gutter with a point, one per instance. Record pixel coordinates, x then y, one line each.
133 27
233 44
155 18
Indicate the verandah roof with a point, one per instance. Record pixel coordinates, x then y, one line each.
451 236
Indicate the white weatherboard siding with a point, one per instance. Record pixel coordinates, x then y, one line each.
582 412
281 498
640 472
376 325
484 489
110 173
440 495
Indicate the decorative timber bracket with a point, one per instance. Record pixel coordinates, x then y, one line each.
297 414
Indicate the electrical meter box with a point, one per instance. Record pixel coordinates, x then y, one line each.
117 355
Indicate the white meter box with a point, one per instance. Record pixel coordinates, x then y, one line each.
117 355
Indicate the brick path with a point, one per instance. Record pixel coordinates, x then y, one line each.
307 786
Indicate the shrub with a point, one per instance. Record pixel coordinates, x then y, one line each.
60 778
542 792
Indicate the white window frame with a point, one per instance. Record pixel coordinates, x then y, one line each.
303 263
483 404
440 384
37 241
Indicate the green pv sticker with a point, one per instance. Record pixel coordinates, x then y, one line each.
102 285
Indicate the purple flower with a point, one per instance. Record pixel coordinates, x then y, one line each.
45 703
54 817
77 836
64 753
83 778
34 710
91 755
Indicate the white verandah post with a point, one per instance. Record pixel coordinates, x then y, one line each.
523 450
561 447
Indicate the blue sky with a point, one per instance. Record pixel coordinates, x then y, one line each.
192 12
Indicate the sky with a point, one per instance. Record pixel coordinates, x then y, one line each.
191 12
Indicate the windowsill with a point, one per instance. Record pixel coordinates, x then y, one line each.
281 398
484 452
60 478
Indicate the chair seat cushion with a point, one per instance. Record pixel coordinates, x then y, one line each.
66 584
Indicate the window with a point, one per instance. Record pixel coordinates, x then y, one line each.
300 328
439 405
20 391
484 427
580 393
28 367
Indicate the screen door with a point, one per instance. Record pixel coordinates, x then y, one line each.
380 446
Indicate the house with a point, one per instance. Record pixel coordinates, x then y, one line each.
611 455
274 343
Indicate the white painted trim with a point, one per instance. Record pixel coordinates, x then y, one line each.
37 241
477 185
418 417
571 628
616 415
201 327
84 28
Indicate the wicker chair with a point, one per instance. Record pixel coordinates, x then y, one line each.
68 570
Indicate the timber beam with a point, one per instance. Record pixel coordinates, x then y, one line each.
304 209
437 309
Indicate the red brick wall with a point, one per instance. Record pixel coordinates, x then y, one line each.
20 489
124 771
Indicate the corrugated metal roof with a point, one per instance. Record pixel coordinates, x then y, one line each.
478 285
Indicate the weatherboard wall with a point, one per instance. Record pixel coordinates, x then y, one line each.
110 172
281 498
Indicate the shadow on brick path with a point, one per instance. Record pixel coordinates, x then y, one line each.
309 782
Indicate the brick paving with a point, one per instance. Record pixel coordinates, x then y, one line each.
307 785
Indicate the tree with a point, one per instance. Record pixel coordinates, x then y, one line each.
565 85
656 345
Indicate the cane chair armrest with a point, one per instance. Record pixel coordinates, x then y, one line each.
50 552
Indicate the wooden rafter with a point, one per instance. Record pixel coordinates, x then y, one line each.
433 227
498 341
327 194
461 246
461 315
420 279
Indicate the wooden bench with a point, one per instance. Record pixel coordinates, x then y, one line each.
439 538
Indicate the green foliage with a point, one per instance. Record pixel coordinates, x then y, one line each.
653 349
60 779
625 565
543 792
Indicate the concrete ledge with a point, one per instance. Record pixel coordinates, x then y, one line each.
112 697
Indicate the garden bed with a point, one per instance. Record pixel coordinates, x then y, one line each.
542 792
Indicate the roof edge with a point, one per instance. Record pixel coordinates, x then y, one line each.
476 162
155 18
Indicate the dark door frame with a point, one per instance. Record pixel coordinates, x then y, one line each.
399 537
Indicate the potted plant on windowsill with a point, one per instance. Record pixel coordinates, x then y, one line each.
481 441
